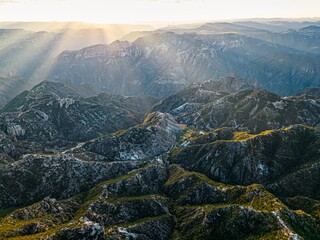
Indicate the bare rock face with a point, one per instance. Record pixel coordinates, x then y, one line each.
188 173
61 176
169 202
215 104
155 136
247 159
54 116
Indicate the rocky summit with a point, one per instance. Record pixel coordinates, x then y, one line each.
218 160
205 131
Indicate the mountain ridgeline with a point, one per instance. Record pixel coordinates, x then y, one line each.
282 56
163 63
202 131
217 159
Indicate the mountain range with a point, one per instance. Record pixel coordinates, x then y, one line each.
201 131
168 173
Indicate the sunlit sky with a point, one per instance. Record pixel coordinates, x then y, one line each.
147 11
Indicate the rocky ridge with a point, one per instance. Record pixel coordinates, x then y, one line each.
165 177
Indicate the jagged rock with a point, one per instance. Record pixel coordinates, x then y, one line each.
219 212
86 231
53 112
141 182
147 229
52 117
155 136
247 159
37 176
205 107
197 94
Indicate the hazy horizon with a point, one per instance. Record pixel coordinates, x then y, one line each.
154 11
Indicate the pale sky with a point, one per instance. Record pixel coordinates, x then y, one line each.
146 11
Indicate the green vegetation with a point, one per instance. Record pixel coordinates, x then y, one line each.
178 173
98 188
5 212
152 118
244 136
274 235
176 151
144 220
119 133
257 197
135 198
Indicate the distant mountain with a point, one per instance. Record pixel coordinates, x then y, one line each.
312 91
28 54
199 94
277 25
162 64
111 32
28 49
284 61
218 154
10 87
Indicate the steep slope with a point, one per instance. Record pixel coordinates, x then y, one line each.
157 135
52 115
256 111
197 94
37 176
160 202
209 106
161 64
244 158
154 198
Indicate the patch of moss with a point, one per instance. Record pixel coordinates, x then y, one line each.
189 135
175 151
9 227
144 220
135 198
119 133
244 136
176 235
258 198
98 188
152 119
179 173
274 235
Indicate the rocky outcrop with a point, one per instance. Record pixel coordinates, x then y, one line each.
247 159
155 136
60 176
247 110
52 117
183 205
